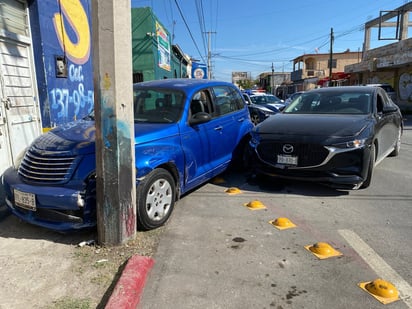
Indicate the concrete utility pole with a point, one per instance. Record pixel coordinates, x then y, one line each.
209 55
113 104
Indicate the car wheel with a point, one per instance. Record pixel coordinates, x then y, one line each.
255 118
397 147
241 156
371 166
155 199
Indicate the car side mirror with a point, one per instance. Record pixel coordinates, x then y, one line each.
389 109
200 118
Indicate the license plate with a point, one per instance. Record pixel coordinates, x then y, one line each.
25 200
289 160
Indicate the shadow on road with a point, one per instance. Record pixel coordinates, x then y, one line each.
250 182
12 227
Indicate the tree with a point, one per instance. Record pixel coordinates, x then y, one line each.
246 83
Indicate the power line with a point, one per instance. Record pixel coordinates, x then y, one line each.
188 29
202 24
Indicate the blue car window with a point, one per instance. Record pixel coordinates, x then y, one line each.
202 101
227 100
157 105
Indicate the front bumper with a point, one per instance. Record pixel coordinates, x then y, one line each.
58 208
344 170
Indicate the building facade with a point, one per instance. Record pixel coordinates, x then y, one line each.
46 72
272 81
391 63
238 77
154 56
313 70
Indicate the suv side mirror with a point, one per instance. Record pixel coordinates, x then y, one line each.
389 109
199 118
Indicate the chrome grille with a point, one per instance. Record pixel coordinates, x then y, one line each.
46 168
308 154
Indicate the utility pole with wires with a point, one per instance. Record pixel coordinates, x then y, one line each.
209 55
272 80
331 56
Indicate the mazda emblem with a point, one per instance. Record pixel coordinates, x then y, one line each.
287 148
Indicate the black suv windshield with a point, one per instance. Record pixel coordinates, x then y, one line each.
343 102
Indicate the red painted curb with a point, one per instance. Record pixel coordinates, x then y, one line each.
126 293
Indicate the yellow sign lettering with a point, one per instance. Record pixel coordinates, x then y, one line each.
78 51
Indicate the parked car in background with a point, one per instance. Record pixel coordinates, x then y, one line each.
186 132
270 99
389 90
259 112
265 98
292 97
333 135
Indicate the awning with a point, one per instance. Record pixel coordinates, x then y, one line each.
335 77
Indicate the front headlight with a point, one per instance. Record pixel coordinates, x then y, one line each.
19 158
356 143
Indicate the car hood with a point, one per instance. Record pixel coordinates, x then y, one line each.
79 137
338 126
74 138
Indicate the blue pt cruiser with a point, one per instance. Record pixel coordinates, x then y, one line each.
187 131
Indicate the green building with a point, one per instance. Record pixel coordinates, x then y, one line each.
154 56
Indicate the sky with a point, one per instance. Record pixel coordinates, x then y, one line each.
252 35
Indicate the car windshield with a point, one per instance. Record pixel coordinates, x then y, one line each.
265 99
343 102
157 105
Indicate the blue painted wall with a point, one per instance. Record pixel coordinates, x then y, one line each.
61 32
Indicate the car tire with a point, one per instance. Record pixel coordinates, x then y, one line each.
241 156
155 199
254 117
371 166
397 147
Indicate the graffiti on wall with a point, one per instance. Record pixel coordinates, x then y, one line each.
68 103
65 27
405 87
78 47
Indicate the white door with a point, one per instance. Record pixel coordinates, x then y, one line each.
5 155
19 109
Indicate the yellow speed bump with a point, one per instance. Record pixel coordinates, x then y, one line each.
322 250
282 223
382 290
218 180
255 205
233 190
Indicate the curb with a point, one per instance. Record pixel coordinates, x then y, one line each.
128 289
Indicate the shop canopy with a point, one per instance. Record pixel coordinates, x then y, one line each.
337 76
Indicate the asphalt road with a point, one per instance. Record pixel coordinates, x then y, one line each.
217 253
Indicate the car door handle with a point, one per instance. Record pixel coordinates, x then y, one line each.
219 128
241 119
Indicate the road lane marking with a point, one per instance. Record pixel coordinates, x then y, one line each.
381 268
